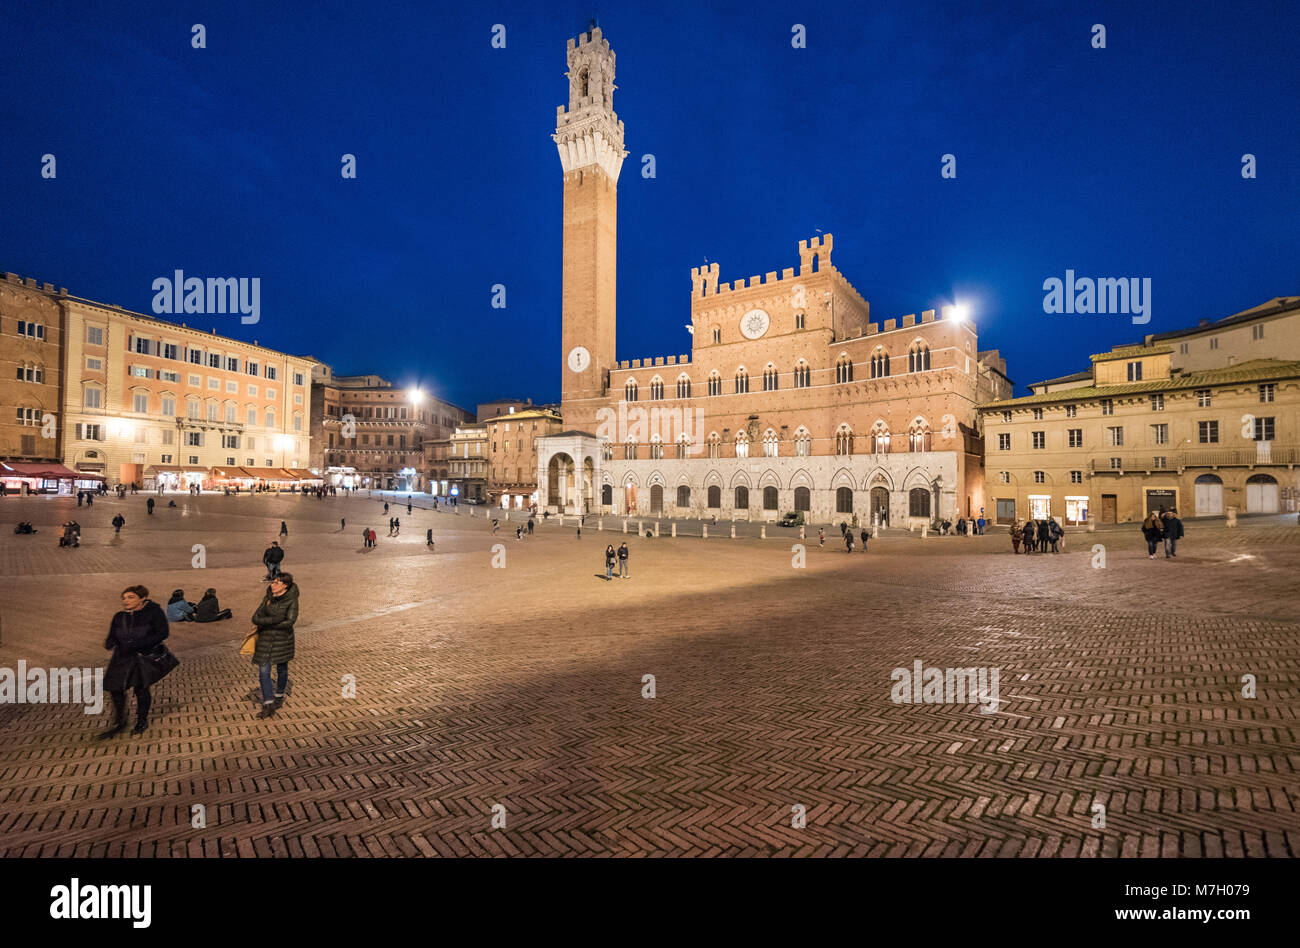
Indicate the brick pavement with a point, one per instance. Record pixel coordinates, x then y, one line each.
523 687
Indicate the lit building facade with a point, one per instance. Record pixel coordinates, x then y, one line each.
1199 420
791 399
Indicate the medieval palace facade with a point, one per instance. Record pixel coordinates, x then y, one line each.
792 399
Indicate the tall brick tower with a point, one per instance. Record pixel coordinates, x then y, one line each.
589 137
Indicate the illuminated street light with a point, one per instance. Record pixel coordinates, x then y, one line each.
959 313
415 396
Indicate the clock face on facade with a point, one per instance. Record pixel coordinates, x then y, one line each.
754 323
579 359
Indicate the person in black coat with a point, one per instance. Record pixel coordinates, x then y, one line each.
610 557
209 608
140 627
1151 532
1044 536
273 556
1173 533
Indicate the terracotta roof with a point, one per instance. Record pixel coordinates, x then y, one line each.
1257 370
1128 352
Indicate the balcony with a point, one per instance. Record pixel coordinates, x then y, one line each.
1261 453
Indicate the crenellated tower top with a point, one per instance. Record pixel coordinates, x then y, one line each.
589 132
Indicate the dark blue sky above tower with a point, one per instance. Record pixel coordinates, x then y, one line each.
1122 162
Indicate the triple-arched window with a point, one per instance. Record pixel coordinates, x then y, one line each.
742 381
683 386
715 383
879 364
844 369
769 378
656 389
629 390
802 375
918 357
844 440
770 444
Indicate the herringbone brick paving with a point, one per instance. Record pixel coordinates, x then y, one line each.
522 687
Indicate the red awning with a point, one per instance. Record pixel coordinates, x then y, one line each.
49 472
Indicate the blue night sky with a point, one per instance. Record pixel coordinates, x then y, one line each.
1122 162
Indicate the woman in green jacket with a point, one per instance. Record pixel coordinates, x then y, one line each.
274 621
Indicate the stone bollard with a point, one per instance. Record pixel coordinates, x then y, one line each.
1092 526
762 532
656 528
640 528
600 525
925 530
802 533
625 526
733 529
507 516
704 530
674 530
1232 517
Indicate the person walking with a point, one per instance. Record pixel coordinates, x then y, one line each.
622 560
397 526
149 503
385 507
274 621
272 558
519 532
408 506
1152 532
343 524
284 530
579 531
848 541
1015 536
135 636
1173 533
496 526
118 523
209 609
90 498
821 536
365 537
81 495
428 537
530 526
865 537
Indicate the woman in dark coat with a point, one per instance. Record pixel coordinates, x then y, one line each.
1027 535
274 621
1044 536
1152 533
609 562
140 627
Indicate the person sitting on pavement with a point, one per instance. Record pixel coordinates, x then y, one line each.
178 610
209 608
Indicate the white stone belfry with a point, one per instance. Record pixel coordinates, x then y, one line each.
589 132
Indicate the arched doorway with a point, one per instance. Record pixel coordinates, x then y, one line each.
657 499
1209 495
559 481
844 500
715 497
802 499
683 496
742 498
880 505
629 498
1261 494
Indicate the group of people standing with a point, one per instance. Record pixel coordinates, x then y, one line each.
1037 535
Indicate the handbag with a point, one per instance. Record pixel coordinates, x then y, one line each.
157 664
250 644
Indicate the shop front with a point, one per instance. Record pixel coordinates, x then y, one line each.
174 477
28 477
